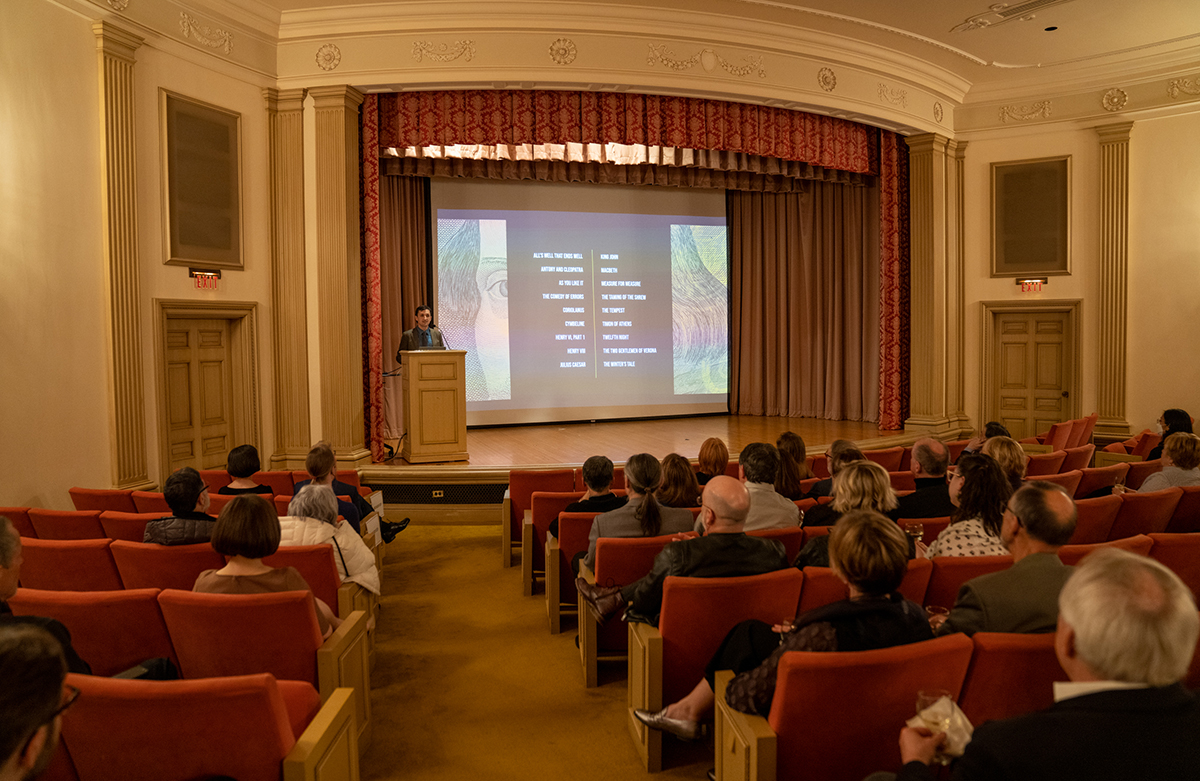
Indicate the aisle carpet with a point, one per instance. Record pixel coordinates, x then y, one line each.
469 683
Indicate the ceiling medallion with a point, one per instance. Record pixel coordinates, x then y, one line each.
1114 100
827 79
211 37
328 57
1025 112
444 52
897 96
1186 86
937 111
707 59
563 51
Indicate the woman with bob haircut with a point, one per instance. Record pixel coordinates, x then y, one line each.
679 486
867 552
1172 421
793 465
712 461
312 519
247 531
1181 464
642 515
857 485
979 492
1011 457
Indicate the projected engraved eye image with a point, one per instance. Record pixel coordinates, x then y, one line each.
699 304
473 296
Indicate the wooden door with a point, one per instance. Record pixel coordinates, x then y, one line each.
199 392
1033 353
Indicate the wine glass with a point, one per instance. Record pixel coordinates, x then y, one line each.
914 529
927 698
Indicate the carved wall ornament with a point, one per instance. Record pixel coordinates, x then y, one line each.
897 96
827 79
1002 13
563 51
328 57
118 5
707 59
444 52
212 37
1115 99
937 111
1186 86
1025 112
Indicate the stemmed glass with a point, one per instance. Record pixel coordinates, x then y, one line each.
925 699
914 529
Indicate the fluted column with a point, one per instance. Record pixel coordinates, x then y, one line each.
115 48
1114 279
935 283
339 297
293 435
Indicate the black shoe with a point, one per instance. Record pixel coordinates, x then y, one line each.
389 530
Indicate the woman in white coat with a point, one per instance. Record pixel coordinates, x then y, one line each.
312 519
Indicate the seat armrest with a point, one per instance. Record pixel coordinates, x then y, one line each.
645 691
553 608
586 573
328 747
1108 458
527 555
506 530
745 744
343 660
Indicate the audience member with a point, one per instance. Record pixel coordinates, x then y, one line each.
840 453
712 461
320 464
679 485
1127 630
1181 459
725 550
313 520
247 531
931 499
868 553
242 464
642 515
859 485
1039 519
1172 421
598 498
11 559
979 492
32 700
768 510
793 465
990 429
1011 457
189 523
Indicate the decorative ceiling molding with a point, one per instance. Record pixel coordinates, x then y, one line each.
1024 113
827 79
1175 87
118 5
937 111
443 52
328 57
1002 13
563 51
895 96
212 37
1114 100
705 58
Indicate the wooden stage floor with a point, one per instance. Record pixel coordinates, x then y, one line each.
496 450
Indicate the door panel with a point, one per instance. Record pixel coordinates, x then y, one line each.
1033 352
199 388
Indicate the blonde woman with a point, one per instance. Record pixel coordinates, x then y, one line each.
860 485
1181 464
1010 456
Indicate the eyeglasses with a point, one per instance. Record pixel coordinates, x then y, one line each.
68 701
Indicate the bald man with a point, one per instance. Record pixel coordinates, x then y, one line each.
931 499
724 551
1039 519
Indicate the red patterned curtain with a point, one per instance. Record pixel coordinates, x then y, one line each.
893 282
372 326
513 117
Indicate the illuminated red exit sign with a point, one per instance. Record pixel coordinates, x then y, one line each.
1031 285
205 280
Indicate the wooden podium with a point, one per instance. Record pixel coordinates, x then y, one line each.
435 405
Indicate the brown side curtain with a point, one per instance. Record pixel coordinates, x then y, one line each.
804 270
402 277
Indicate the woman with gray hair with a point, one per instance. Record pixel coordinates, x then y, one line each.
312 519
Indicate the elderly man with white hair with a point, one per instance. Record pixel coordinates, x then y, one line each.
312 519
1127 630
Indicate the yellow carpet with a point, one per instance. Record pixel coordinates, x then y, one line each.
469 682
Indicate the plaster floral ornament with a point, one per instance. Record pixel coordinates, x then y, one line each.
827 79
563 51
1115 99
328 57
937 111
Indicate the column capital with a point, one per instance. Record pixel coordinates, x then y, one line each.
278 100
928 142
1115 133
114 41
337 96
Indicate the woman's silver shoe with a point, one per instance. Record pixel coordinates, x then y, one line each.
684 730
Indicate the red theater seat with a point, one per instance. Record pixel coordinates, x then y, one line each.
69 565
126 526
1072 554
66 524
102 499
518 498
1010 675
1145 513
146 565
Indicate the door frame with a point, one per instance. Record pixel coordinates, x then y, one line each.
989 371
245 417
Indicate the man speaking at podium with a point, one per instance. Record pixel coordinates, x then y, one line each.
424 336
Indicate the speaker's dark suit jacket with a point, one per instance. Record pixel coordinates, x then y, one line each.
411 340
1126 735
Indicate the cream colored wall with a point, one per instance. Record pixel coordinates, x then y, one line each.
1082 144
1164 261
54 423
163 64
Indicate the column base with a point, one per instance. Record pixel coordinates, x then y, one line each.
353 458
1109 430
939 427
288 459
137 485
